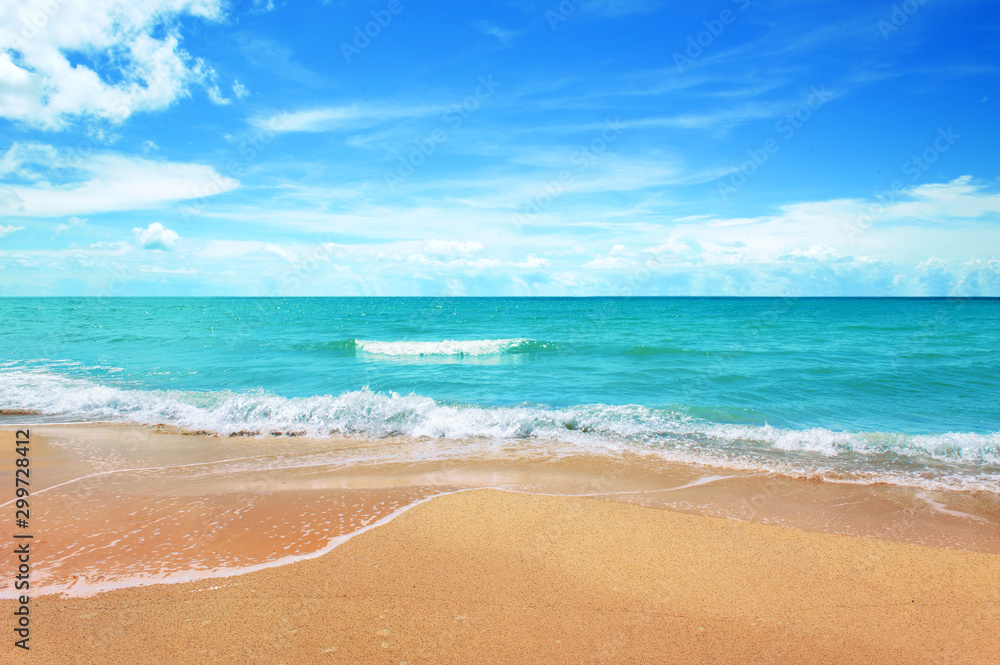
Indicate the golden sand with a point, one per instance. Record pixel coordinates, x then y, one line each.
482 575
493 577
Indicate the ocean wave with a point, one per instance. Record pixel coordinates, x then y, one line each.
447 347
367 413
332 345
451 347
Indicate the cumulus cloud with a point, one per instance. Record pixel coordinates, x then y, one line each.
40 85
903 226
795 250
819 252
533 261
156 236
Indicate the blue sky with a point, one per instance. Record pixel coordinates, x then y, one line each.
410 147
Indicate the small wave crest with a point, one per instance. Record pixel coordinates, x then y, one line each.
450 347
334 345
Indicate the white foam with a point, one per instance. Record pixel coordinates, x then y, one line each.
448 347
962 457
81 588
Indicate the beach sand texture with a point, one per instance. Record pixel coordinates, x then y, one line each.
493 577
482 575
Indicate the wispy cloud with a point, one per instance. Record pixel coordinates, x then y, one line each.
504 36
8 229
335 118
276 58
101 182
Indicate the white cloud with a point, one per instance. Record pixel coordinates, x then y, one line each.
99 182
797 249
447 248
724 118
156 236
117 247
931 264
10 228
533 261
330 118
283 252
819 252
488 28
215 95
166 271
70 223
940 201
212 88
906 225
806 248
611 263
29 161
240 90
40 86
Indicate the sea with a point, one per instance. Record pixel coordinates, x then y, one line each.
852 390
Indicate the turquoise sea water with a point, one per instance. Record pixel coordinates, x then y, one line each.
898 390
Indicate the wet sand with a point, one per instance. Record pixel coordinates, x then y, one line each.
481 575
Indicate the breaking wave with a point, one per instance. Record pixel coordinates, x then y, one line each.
448 347
953 459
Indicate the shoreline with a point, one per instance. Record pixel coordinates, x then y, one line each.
155 546
265 502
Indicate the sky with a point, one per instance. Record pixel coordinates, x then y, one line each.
573 148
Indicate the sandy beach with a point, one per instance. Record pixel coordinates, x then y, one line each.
510 333
481 575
